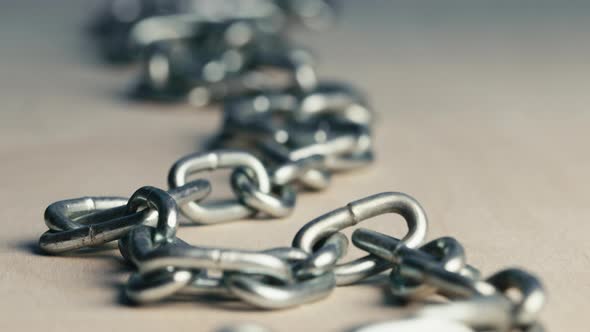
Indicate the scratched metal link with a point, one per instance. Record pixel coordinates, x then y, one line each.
91 221
284 132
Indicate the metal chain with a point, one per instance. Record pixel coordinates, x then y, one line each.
278 142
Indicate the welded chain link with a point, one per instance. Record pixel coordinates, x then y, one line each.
279 139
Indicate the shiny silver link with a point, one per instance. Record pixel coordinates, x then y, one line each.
71 213
444 253
531 297
325 258
340 146
162 283
196 258
250 283
326 128
142 288
449 257
174 267
136 245
353 213
314 279
283 117
269 296
426 273
165 283
341 153
159 284
208 161
360 269
336 99
245 187
308 171
160 201
446 277
93 221
449 284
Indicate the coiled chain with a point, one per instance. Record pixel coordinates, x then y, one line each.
278 141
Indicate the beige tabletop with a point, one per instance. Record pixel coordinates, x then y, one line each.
483 117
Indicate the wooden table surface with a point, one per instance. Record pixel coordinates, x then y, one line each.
483 117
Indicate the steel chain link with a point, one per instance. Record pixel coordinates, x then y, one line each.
278 141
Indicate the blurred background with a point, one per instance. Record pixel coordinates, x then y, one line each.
482 111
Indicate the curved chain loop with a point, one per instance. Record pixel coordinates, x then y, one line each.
165 269
92 221
344 152
307 287
297 118
355 212
308 171
413 267
531 297
269 296
323 259
208 161
245 187
174 267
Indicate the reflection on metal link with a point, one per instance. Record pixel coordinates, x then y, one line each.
264 279
355 212
309 133
220 211
308 171
443 256
244 184
284 132
269 296
327 139
328 106
438 268
306 288
92 221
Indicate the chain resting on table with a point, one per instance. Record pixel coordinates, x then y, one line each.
279 138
